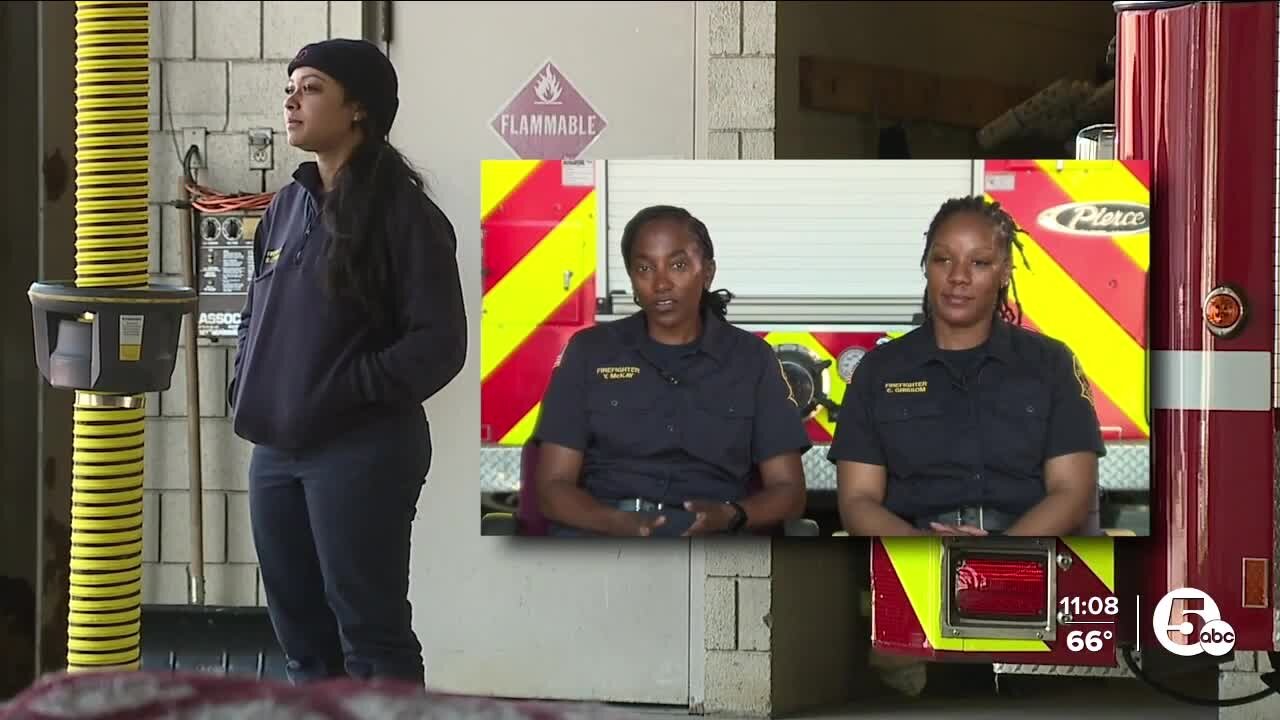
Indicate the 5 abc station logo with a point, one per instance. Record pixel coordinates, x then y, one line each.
1175 632
1216 636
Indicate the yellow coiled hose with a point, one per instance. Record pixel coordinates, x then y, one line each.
112 250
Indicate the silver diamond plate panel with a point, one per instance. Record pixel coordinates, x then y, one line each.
500 470
819 472
1126 467
1121 670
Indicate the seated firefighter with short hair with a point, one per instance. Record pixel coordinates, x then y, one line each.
670 421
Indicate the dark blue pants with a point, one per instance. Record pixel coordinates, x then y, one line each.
332 529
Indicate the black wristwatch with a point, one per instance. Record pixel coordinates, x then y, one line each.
739 517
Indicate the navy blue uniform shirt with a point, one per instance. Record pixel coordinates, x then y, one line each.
310 366
670 423
967 428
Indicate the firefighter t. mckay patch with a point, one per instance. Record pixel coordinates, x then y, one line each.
617 373
1086 391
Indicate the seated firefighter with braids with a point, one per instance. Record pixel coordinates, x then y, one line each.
670 421
969 424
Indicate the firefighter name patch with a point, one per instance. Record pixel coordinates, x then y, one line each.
897 388
617 373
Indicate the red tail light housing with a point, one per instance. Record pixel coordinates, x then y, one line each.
999 587
994 587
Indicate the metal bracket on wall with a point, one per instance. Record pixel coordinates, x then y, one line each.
194 137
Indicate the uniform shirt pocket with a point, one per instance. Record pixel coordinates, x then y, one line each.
1020 424
721 429
622 421
913 434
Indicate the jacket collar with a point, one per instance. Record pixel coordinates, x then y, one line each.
924 347
308 176
715 340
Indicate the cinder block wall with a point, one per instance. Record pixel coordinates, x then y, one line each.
741 84
220 66
738 619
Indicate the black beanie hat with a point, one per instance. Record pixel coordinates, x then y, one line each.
364 71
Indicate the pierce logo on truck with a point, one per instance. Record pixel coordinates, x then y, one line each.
1104 219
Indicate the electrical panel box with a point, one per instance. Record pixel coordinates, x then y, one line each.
224 270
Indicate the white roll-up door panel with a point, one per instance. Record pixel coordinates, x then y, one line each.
795 230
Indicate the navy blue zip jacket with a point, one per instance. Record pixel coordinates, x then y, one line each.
310 366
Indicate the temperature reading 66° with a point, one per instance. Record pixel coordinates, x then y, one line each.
1090 640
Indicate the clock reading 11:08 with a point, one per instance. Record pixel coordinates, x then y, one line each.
1095 605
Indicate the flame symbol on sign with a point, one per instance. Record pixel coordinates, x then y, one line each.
547 88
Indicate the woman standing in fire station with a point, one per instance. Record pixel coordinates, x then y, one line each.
969 424
655 424
354 318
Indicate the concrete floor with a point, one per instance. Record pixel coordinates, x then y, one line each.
1038 698
976 697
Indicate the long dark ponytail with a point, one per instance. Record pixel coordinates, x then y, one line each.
715 301
357 213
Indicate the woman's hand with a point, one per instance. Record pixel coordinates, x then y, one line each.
711 517
631 524
941 529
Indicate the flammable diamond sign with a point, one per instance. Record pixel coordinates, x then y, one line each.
548 119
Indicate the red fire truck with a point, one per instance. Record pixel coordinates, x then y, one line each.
1196 100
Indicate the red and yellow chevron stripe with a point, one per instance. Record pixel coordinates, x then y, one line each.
1088 291
538 225
907 584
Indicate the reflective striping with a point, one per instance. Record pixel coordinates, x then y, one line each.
1095 263
1107 181
519 381
1104 276
524 218
1212 380
523 429
538 282
1098 553
499 179
1063 310
1115 425
917 561
529 294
